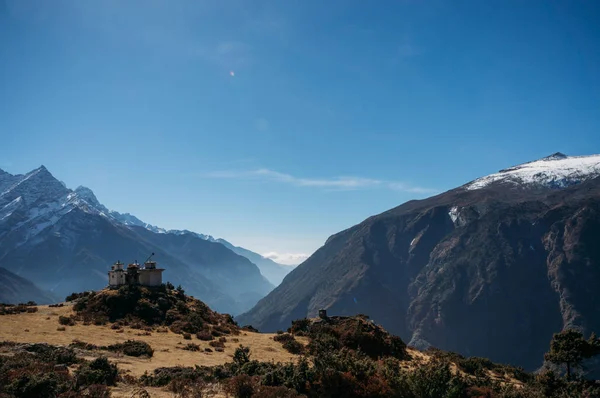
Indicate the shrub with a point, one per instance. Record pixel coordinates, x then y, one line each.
187 336
216 344
191 347
276 392
293 347
241 386
11 309
97 391
42 385
133 348
52 354
241 355
204 336
98 371
186 388
283 337
66 321
300 326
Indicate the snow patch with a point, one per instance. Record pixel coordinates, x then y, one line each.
453 214
555 171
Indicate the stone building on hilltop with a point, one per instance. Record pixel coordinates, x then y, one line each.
134 274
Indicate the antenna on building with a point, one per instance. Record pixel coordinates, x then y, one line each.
148 259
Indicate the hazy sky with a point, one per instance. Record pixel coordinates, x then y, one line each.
275 124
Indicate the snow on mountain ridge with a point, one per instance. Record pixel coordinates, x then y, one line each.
554 171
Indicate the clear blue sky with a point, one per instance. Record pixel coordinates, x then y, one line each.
275 124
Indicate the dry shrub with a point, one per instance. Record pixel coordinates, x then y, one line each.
217 344
66 320
204 336
242 386
187 388
191 347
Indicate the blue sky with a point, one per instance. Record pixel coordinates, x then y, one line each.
275 124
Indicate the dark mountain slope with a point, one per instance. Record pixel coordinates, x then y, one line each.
491 272
14 290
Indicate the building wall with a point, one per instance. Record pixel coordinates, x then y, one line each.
116 278
151 277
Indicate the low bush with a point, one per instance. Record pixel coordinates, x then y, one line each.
293 347
283 337
204 336
12 309
66 321
98 371
133 348
52 354
191 347
241 386
216 344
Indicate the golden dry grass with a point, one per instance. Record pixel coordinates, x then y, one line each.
41 327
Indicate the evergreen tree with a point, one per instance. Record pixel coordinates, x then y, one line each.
570 348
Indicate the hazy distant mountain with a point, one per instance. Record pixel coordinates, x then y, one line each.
14 290
273 271
65 241
489 269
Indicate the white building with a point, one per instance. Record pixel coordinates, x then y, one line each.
117 275
148 275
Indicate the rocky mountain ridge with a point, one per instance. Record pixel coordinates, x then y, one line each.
490 272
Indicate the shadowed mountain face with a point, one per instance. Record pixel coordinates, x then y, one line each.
65 241
14 290
490 270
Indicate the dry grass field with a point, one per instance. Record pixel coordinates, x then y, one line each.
43 327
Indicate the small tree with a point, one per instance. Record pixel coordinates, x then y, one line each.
570 349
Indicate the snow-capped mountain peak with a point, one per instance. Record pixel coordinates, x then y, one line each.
555 171
88 195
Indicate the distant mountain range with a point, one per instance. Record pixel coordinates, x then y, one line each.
15 290
65 240
492 268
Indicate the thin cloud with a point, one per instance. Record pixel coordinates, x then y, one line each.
335 183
